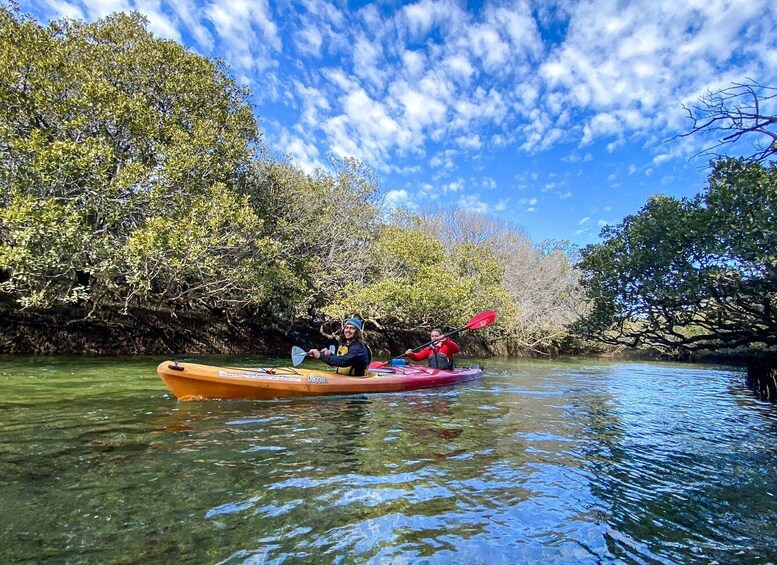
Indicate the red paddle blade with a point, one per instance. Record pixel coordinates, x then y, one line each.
485 318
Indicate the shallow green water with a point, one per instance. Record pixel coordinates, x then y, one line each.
556 462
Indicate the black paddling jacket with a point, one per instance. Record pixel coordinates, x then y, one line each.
351 359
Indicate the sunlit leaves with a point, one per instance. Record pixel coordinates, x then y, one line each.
207 254
416 281
325 223
131 176
43 245
120 132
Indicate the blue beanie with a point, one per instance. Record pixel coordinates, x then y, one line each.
354 322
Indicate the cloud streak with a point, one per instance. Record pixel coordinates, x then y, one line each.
431 92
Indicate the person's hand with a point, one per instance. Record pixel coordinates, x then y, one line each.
314 353
408 352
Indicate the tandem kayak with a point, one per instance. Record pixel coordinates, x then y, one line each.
191 381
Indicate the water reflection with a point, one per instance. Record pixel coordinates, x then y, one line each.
564 461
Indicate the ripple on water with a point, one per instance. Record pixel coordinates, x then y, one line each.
562 461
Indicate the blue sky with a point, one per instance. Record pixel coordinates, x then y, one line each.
551 115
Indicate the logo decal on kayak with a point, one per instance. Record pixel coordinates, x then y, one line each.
317 380
262 376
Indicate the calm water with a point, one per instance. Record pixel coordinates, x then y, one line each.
552 462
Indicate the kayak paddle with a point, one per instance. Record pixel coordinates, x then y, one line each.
485 318
298 354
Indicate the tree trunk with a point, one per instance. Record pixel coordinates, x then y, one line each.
762 378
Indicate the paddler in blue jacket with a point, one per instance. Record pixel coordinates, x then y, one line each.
352 356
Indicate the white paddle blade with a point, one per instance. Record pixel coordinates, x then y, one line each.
298 355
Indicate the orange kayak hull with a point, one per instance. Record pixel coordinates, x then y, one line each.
192 381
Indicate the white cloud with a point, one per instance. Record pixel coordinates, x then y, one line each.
247 32
414 64
519 28
340 78
469 142
501 205
190 16
368 63
601 124
422 16
95 9
486 45
59 9
459 67
418 109
427 192
478 89
473 203
399 199
455 186
303 153
445 160
314 104
309 40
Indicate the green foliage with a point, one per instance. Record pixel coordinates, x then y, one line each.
325 223
744 198
43 244
656 248
439 270
416 282
405 253
691 274
116 130
208 256
131 176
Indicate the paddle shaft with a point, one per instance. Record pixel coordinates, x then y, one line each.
427 344
485 318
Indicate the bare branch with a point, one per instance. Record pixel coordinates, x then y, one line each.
735 113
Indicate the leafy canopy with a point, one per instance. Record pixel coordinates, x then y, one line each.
692 274
106 130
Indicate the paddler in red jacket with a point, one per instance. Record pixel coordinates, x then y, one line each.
440 353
